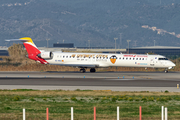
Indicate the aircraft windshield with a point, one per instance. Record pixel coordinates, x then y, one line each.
163 59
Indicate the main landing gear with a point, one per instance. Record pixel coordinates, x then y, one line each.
92 70
83 70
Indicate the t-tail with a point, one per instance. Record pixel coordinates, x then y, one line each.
32 50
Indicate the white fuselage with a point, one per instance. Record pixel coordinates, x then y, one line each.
94 60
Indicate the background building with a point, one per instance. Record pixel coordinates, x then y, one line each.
64 45
162 50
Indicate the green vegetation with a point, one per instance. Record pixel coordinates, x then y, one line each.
59 102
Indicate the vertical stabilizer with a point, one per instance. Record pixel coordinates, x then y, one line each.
31 49
30 46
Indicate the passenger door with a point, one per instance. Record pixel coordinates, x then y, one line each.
152 61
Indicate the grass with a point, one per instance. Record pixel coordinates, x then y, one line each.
59 103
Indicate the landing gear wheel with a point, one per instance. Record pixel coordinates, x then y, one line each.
166 71
92 70
82 70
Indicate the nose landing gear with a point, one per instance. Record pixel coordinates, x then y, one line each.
166 70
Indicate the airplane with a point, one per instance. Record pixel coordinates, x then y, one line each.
94 60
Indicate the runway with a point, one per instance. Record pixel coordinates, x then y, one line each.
116 81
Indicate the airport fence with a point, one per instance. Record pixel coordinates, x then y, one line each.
164 113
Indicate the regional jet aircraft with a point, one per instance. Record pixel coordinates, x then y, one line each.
94 60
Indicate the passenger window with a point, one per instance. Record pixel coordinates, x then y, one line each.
119 58
129 58
93 57
139 58
69 56
126 58
133 58
123 58
63 56
136 58
142 58
66 56
107 58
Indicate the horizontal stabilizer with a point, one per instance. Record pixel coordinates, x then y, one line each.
18 40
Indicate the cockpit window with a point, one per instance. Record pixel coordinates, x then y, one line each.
162 59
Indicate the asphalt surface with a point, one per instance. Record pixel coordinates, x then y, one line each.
118 81
89 82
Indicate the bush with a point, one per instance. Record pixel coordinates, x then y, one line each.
150 99
166 91
137 99
125 98
120 99
16 98
73 99
162 99
96 98
130 99
65 99
144 99
77 90
7 108
113 98
104 98
44 99
31 99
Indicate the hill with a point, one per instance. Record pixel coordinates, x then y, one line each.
99 21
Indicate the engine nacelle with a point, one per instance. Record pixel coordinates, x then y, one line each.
46 55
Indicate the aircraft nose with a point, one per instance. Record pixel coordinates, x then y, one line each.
173 65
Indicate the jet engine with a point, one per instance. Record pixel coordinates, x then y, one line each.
46 55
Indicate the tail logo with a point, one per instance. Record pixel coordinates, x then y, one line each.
113 59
